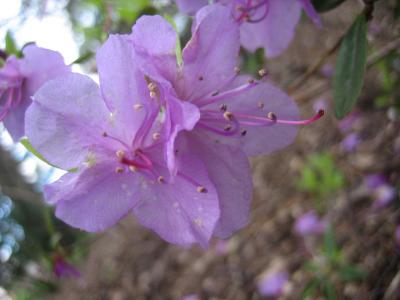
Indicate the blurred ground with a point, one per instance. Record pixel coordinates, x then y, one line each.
129 262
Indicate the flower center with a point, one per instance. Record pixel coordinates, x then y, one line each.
252 11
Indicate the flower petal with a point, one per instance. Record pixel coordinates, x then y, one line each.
275 31
190 6
160 55
38 66
122 83
176 210
311 12
210 57
67 119
95 198
229 170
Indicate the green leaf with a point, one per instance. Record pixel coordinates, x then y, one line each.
350 67
83 58
330 246
25 142
310 289
329 290
349 273
11 46
326 5
178 49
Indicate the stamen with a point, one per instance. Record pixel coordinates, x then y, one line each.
120 154
316 117
227 127
228 116
271 116
260 105
201 78
138 107
201 189
161 179
156 136
133 169
237 70
119 170
262 73
243 132
223 107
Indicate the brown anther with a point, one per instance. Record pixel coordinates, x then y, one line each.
215 93
201 189
243 132
153 94
161 179
152 86
237 70
133 169
262 73
251 81
156 135
201 78
228 116
223 107
119 170
138 106
104 134
227 127
260 105
271 116
120 154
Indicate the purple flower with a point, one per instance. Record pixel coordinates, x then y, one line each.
350 142
238 116
310 224
20 79
268 24
191 297
382 192
272 285
117 137
61 268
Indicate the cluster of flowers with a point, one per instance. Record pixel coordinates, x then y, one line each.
166 141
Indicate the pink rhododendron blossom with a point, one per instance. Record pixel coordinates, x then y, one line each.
238 116
20 79
268 24
272 285
61 268
309 224
117 136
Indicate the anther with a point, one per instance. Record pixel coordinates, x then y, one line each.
251 81
223 107
228 116
201 189
236 70
153 94
152 86
104 134
161 179
120 154
138 106
262 73
156 135
227 127
271 116
119 170
133 169
260 105
215 93
201 78
243 132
